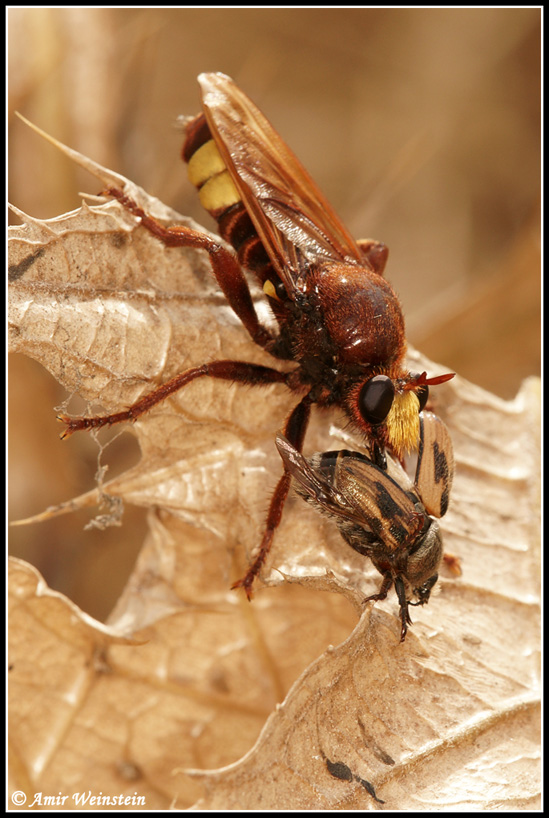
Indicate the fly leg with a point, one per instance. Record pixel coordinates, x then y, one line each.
225 267
383 591
403 602
295 429
405 618
232 281
236 371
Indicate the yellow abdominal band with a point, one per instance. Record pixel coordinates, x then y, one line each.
208 173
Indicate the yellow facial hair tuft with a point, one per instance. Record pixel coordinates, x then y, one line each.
403 423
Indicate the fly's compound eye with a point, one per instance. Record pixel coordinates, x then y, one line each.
422 393
423 396
376 398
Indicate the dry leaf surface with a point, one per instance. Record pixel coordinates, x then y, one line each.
176 700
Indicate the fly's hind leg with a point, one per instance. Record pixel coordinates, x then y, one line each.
225 267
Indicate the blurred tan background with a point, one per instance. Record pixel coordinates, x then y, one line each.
422 126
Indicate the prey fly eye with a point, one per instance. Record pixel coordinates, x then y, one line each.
422 393
376 398
423 396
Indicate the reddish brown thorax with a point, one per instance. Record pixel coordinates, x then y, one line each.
362 314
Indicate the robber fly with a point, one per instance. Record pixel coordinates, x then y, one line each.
384 517
338 319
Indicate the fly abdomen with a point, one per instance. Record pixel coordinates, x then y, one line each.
207 170
220 197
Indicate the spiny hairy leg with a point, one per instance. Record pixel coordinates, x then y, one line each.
225 267
295 429
236 371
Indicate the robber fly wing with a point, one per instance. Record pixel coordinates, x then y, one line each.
294 221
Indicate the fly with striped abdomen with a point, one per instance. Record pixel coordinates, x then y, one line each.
338 318
380 513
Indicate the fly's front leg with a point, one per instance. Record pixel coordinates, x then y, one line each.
403 602
295 429
383 591
225 266
236 371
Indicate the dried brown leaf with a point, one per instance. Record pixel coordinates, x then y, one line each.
448 720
